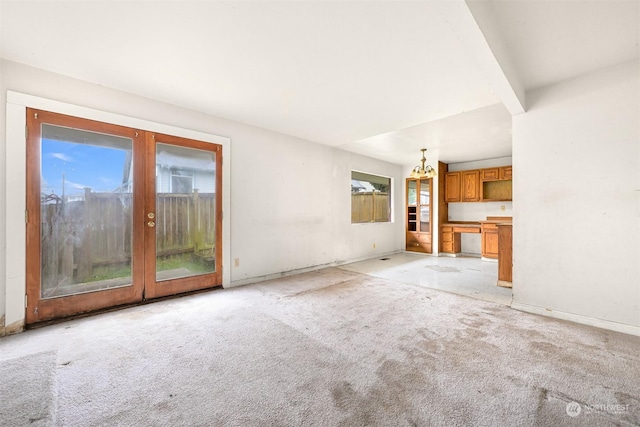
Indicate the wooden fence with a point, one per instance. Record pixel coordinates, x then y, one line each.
95 231
370 207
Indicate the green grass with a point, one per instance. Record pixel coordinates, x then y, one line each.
182 261
169 263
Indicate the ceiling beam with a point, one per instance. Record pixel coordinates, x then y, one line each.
474 25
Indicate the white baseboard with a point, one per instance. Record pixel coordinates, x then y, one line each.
266 277
577 318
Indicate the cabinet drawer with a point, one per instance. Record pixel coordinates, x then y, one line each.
419 247
423 238
489 174
447 247
411 238
418 238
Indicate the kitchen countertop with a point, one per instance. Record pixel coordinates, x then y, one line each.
476 224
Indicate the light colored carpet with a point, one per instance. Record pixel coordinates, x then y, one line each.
27 390
328 348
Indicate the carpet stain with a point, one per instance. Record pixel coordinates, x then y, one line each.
545 347
342 394
543 396
474 323
443 269
626 399
631 403
325 289
385 402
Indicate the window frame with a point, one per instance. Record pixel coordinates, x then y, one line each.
389 192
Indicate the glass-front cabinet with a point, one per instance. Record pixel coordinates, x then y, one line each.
419 215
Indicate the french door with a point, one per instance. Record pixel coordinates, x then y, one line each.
117 215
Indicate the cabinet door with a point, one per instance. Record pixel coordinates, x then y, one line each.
452 187
490 243
425 206
470 186
489 174
505 172
412 192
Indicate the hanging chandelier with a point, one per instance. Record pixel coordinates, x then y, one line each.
423 171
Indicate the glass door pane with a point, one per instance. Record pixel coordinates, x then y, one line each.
411 193
425 227
425 205
185 212
85 211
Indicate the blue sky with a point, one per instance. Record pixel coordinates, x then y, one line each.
99 168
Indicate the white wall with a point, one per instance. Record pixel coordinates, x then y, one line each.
290 198
576 167
476 211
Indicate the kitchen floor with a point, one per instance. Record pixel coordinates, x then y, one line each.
463 275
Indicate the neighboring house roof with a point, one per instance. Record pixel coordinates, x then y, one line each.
361 186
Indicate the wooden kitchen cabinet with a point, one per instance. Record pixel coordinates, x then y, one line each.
505 257
452 187
470 186
479 185
451 243
496 184
506 172
489 240
419 215
489 174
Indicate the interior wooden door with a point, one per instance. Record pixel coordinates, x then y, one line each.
117 215
183 215
84 191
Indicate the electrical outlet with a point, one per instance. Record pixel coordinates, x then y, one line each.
236 262
502 208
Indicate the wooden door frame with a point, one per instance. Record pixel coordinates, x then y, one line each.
38 309
153 288
143 145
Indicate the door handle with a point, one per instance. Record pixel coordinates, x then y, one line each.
151 224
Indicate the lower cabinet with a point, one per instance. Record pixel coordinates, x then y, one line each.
451 243
505 259
489 241
418 242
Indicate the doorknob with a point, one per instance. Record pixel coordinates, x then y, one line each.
151 224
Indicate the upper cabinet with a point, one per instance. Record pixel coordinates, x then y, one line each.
505 172
452 187
484 185
470 181
490 174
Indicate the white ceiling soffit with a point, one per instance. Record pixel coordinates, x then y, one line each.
474 25
329 72
551 41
